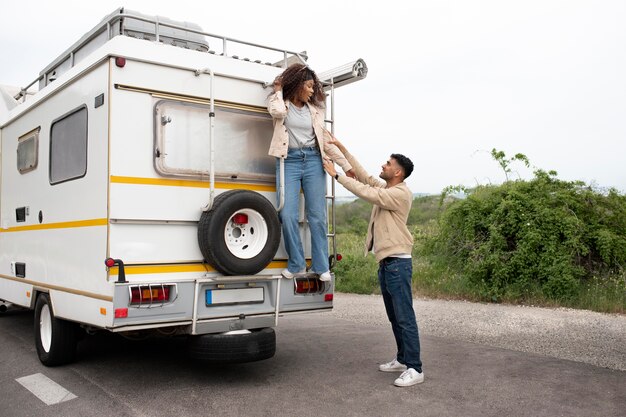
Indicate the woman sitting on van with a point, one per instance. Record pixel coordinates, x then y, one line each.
300 138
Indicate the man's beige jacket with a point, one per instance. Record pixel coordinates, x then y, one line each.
387 232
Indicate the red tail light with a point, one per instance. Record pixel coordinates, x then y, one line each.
149 294
240 218
120 62
308 286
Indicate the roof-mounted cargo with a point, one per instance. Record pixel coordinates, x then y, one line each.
126 23
187 35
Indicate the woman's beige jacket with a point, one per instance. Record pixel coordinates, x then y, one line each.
280 139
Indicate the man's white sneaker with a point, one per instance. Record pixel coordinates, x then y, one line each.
408 378
325 276
286 274
393 366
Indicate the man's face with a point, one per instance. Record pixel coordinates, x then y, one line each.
389 169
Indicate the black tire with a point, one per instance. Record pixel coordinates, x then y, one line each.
56 339
213 241
233 348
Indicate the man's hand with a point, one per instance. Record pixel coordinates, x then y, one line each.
329 167
334 141
350 173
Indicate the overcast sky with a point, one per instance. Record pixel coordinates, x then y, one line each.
448 80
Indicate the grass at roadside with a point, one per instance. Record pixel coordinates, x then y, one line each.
434 278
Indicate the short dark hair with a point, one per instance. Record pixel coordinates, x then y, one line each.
405 163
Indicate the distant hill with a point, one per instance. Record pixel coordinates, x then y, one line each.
352 215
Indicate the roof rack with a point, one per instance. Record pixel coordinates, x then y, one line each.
155 28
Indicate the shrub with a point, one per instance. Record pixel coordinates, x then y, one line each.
544 233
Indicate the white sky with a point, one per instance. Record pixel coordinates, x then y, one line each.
448 80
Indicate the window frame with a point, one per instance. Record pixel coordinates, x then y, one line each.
34 135
160 164
54 122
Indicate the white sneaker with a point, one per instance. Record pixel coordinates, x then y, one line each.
408 378
325 276
286 274
393 366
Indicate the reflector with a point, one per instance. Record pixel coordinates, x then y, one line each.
240 218
120 62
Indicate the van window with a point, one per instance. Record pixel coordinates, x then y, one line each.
68 147
242 137
27 151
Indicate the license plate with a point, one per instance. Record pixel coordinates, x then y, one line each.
234 296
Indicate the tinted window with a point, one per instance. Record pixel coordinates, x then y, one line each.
68 147
27 150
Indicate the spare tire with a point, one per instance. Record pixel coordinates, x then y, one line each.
240 234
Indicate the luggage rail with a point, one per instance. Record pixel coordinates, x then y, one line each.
107 26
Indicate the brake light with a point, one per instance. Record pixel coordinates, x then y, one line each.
308 285
149 294
240 218
121 313
328 297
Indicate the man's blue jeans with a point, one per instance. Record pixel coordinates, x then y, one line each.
304 170
394 275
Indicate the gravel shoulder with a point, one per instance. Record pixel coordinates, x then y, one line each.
578 335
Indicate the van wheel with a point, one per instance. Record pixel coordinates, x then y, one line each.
233 348
55 339
240 234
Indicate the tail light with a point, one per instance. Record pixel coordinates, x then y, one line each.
306 285
149 295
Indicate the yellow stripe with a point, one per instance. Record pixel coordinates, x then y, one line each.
60 225
169 269
189 183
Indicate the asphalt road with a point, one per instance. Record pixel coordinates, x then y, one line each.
325 365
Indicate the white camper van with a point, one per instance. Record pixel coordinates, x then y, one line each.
137 195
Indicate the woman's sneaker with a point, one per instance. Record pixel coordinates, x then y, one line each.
286 274
325 276
408 378
393 366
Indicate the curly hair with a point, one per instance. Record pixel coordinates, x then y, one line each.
294 77
405 163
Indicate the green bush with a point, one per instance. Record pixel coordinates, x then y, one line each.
545 233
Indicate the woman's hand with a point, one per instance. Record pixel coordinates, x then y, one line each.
278 84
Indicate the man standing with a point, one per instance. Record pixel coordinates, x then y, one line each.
390 240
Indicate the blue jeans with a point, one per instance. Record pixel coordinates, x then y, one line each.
304 170
394 275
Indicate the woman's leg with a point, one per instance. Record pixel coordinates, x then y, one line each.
294 164
314 186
